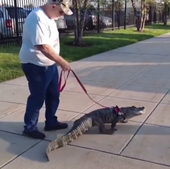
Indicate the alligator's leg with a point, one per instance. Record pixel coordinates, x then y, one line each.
114 122
102 129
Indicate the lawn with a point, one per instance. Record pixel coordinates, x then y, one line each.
10 67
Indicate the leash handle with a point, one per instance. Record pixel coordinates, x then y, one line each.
61 88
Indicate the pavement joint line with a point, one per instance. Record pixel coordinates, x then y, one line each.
20 153
165 103
92 105
158 125
116 52
16 85
162 78
118 155
126 98
139 159
11 102
6 90
83 92
10 132
71 111
80 92
11 112
10 161
22 106
143 123
75 116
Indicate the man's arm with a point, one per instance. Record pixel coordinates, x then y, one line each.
51 54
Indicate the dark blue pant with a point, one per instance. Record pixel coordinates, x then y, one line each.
43 86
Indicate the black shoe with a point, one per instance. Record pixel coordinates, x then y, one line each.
34 134
57 126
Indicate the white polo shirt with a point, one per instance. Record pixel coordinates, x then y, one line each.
38 29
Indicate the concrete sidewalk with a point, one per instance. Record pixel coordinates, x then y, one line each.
133 75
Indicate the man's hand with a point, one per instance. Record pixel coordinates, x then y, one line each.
65 65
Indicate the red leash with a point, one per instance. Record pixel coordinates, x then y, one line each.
61 88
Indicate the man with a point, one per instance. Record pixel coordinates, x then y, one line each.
39 55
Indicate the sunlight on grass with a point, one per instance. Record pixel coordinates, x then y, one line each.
10 66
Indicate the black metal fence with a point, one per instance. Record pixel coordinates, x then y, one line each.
108 16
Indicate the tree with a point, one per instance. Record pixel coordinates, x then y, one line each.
79 10
136 14
166 4
142 14
146 5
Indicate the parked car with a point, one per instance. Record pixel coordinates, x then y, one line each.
90 20
8 21
68 22
104 20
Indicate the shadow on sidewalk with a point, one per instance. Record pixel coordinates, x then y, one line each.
17 144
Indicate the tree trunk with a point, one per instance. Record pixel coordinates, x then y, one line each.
134 7
142 25
82 21
165 14
137 18
79 21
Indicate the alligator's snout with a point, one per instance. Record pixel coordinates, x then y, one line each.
139 110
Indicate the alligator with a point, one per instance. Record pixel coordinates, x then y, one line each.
98 118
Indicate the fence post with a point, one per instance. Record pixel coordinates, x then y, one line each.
113 15
16 19
125 16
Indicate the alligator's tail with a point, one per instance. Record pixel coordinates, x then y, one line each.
71 135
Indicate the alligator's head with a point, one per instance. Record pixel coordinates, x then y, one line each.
132 111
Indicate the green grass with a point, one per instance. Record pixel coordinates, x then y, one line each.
10 67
